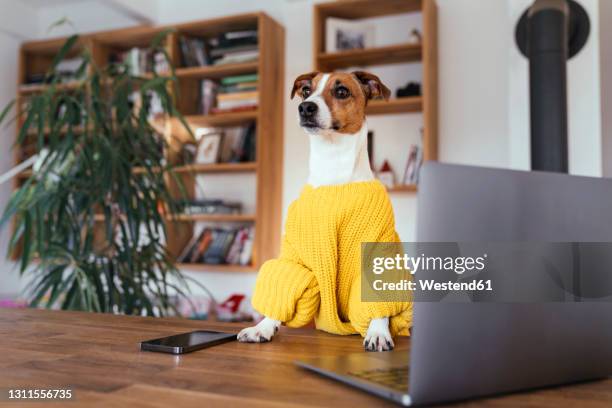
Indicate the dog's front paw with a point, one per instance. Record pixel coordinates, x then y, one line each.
261 333
378 337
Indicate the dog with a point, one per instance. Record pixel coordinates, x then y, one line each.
332 113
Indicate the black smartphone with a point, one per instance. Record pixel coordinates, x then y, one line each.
187 342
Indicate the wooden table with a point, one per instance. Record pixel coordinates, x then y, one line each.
98 357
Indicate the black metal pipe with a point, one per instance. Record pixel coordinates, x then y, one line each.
547 48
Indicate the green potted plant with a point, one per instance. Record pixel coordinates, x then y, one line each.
89 223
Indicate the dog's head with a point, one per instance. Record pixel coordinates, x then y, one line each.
336 102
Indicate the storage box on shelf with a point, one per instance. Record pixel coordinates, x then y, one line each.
426 53
36 57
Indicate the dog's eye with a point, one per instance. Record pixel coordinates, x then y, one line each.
305 92
342 92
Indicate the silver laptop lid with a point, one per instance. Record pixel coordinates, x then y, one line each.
465 350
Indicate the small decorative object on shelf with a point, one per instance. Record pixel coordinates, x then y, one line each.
371 148
415 37
346 35
209 146
385 175
413 165
236 308
411 89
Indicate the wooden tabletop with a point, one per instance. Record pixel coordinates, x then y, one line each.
97 356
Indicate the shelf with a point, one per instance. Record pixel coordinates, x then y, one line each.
199 267
403 188
26 174
217 71
222 119
371 56
76 129
217 168
396 105
30 89
212 217
207 168
358 9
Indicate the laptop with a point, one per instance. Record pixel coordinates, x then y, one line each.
460 351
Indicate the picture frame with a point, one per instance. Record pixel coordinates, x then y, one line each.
209 146
344 35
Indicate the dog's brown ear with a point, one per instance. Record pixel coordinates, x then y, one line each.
302 80
372 86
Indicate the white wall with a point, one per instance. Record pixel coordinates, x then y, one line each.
605 55
9 47
473 52
83 17
14 28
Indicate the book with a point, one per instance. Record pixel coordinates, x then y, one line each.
217 251
201 245
223 51
194 207
223 105
216 246
194 52
238 58
245 108
238 96
240 87
208 94
247 248
233 255
236 79
234 38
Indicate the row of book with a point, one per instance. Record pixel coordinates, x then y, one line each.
67 70
140 61
193 207
227 48
239 144
217 246
232 94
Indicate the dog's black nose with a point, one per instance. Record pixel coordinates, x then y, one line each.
307 109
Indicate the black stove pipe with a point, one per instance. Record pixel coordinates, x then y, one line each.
547 48
548 34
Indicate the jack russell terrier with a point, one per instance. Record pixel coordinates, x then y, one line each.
299 286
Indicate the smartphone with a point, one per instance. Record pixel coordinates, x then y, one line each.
187 342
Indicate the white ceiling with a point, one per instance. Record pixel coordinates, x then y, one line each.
47 3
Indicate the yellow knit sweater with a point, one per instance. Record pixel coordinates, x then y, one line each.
318 273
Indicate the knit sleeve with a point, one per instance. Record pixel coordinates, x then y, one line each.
286 290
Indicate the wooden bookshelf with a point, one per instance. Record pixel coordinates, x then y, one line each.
425 53
217 71
403 188
37 56
212 217
395 105
216 268
218 168
391 54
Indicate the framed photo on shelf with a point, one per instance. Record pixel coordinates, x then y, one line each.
344 35
209 146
